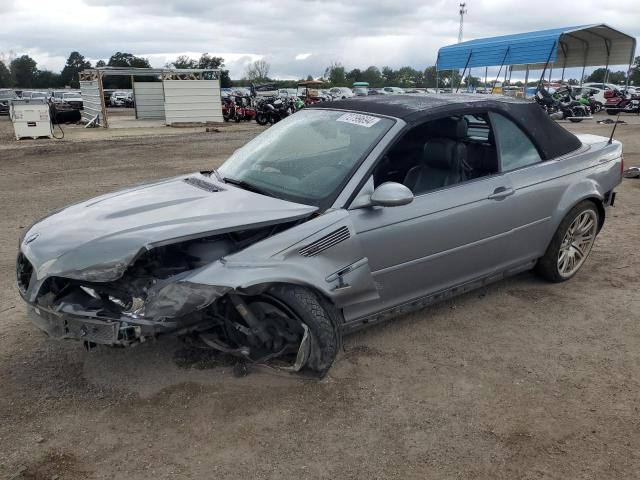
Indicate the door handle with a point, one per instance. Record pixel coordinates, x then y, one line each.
501 193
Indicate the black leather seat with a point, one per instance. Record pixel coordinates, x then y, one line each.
482 157
443 157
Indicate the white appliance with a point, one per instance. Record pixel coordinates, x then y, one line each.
30 118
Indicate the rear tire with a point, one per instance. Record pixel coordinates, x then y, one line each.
321 319
576 120
571 244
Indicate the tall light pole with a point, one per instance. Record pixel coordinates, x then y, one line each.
463 10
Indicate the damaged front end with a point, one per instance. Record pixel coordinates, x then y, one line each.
153 296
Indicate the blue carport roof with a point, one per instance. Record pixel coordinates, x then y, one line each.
592 45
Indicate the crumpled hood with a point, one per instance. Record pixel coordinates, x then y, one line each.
97 239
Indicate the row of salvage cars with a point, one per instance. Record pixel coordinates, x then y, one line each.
389 204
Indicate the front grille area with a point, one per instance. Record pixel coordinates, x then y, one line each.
325 242
24 270
97 331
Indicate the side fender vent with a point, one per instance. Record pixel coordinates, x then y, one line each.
325 242
199 183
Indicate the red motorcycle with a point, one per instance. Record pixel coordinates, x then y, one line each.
618 101
237 109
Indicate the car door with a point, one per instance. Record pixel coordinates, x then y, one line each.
537 191
442 239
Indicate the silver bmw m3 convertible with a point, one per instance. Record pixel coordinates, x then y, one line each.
340 216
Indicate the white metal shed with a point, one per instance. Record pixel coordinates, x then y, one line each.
173 95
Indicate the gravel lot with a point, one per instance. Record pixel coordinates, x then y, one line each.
520 380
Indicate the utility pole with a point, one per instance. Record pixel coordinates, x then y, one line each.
463 10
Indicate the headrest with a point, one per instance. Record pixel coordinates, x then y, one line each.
443 154
454 128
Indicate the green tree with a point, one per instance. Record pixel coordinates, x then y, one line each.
354 75
597 75
49 79
183 61
24 70
335 74
388 76
120 59
635 72
100 64
75 64
373 76
207 61
409 77
6 79
126 60
449 78
618 77
430 75
472 81
600 75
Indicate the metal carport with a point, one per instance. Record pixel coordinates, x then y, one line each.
568 47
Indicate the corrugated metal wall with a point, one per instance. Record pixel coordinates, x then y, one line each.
92 100
192 101
149 97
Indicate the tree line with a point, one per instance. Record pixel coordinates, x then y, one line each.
23 72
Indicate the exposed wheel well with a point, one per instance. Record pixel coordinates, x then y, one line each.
325 299
601 211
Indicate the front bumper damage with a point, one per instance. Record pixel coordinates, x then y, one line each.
220 317
84 315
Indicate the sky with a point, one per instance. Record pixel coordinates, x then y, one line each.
296 37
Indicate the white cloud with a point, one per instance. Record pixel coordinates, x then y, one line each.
357 34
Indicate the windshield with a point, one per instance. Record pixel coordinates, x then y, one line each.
308 156
70 95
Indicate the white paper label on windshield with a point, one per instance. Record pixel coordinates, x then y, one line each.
358 119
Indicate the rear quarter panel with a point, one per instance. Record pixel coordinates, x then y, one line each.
546 192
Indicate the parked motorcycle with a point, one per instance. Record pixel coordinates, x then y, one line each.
589 101
273 109
618 101
237 108
561 106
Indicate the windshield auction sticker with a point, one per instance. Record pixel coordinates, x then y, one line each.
358 119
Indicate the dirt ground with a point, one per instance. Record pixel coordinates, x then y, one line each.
522 380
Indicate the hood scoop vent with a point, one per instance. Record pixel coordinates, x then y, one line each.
201 184
328 241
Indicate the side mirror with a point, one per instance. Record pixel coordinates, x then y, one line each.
391 194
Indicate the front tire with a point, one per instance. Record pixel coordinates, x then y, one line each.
261 119
571 244
321 319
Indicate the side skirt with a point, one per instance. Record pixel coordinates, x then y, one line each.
421 302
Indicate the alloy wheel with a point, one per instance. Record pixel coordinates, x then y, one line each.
577 243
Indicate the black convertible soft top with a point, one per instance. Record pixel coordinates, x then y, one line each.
551 139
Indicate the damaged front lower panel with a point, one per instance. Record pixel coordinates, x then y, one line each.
216 288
